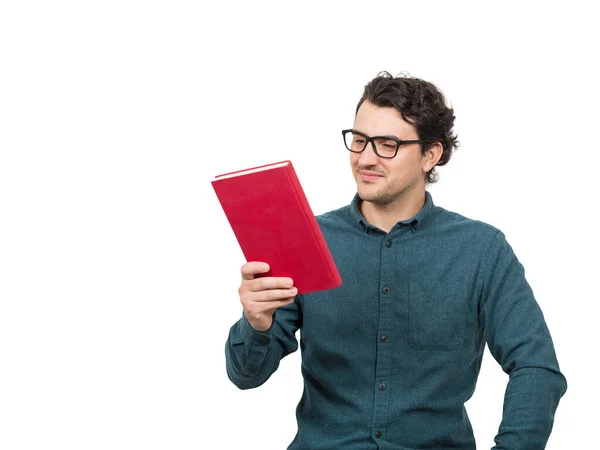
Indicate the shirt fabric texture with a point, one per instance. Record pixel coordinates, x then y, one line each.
390 357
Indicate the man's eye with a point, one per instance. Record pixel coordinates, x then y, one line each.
359 141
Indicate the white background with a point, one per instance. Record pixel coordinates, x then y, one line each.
118 272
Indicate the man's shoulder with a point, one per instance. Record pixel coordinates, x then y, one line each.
335 216
338 222
444 217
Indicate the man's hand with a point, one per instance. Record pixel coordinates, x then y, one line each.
261 296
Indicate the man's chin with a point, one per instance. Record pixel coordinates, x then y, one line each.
369 196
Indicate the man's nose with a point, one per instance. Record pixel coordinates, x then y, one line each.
368 157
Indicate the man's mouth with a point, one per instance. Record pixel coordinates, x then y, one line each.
368 175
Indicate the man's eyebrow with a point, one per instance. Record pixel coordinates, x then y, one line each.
390 136
387 136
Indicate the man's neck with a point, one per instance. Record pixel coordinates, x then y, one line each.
385 216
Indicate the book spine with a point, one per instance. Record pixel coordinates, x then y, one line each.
326 256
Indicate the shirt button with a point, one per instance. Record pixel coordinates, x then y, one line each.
388 244
264 340
384 338
386 290
382 387
378 434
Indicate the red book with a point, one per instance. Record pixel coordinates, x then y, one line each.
273 223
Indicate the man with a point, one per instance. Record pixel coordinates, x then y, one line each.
390 357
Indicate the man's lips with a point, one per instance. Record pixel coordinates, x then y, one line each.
367 175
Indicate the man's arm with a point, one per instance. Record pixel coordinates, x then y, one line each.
520 341
252 356
259 340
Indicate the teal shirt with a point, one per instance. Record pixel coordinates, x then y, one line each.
390 357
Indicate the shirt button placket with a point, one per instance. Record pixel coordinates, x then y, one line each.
381 407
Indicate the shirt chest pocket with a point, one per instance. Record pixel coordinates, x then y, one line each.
437 315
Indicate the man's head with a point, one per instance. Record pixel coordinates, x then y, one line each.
421 104
403 108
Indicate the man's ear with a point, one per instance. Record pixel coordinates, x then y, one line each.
432 156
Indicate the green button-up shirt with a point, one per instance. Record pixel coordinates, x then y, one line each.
390 357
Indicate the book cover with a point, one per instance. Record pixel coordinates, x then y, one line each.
273 222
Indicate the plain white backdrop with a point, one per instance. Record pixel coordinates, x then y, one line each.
118 271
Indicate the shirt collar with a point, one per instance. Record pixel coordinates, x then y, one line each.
416 220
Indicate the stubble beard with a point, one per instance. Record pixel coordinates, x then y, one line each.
385 195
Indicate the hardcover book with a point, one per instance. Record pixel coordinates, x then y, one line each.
273 222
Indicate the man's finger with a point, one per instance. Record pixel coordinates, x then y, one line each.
274 295
252 268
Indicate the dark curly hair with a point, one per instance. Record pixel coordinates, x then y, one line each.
421 104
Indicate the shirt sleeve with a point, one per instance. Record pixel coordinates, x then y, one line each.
251 356
520 341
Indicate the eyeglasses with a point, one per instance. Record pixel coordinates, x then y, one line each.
384 146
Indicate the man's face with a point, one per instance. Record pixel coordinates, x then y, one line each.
385 181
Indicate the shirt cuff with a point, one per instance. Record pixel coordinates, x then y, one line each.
253 337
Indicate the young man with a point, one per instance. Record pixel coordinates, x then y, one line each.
390 357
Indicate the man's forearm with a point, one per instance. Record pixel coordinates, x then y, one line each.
530 402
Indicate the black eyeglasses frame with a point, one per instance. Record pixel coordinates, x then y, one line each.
368 139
